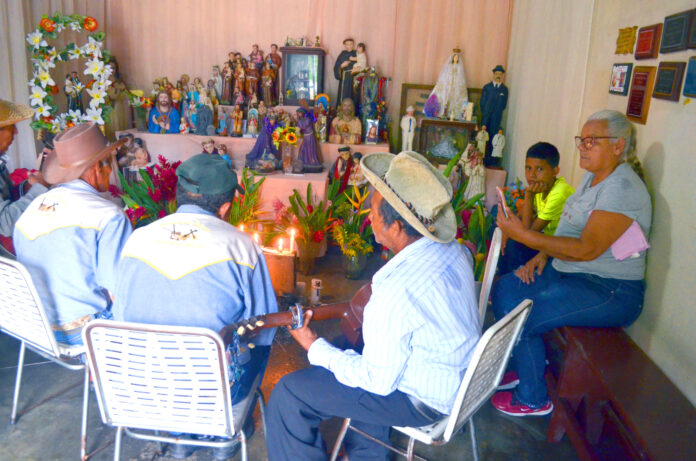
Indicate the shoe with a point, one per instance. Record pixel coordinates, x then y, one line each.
507 403
510 381
182 451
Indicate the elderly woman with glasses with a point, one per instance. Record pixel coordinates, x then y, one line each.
581 276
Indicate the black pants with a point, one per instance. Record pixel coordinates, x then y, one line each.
306 397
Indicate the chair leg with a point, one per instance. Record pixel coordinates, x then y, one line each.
242 440
85 409
339 440
18 382
474 444
262 410
117 443
409 452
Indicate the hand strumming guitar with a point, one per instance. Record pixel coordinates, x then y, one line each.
304 335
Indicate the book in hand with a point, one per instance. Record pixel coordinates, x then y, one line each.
630 244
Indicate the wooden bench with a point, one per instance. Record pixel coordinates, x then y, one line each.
612 401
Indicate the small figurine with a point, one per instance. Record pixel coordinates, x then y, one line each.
262 110
346 127
163 117
498 145
223 123
217 81
275 58
77 85
356 176
482 139
268 83
253 122
317 42
237 117
309 151
360 66
341 168
239 80
450 93
209 147
256 57
251 82
342 70
408 129
494 96
474 169
141 161
222 151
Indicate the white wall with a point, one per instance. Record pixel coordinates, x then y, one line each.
667 148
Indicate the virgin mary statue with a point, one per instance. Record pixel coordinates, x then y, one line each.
449 95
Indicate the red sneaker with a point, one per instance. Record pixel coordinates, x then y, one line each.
508 404
510 381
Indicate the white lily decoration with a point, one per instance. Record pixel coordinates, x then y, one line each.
36 40
74 114
93 115
98 93
92 47
47 64
76 26
60 27
55 126
78 86
42 111
37 95
94 67
45 78
75 53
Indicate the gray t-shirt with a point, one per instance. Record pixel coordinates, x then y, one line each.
621 192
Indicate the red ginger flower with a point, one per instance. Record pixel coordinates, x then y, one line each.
318 236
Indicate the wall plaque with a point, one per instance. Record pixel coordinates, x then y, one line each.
648 42
626 40
676 31
690 79
668 82
639 95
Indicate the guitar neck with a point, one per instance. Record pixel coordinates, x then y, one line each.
284 319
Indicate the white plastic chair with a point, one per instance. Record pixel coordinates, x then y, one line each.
489 272
165 378
481 380
22 315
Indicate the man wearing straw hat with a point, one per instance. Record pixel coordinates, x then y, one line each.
70 238
12 207
420 326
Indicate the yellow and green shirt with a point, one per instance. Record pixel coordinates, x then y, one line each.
550 208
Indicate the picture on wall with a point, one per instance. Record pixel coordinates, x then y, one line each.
648 43
690 78
691 41
676 31
414 94
669 80
440 140
639 94
620 78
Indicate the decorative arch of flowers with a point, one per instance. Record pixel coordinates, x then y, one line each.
44 57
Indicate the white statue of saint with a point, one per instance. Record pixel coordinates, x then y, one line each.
481 140
474 169
408 129
498 144
450 93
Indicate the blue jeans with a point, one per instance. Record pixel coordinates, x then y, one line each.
516 255
561 299
74 337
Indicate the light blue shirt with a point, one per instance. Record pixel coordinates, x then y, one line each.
420 327
193 269
70 240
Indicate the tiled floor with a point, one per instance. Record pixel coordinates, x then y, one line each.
51 430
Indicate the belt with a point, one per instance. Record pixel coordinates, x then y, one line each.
74 325
425 410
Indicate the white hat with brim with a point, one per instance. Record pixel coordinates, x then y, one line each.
75 150
416 190
11 113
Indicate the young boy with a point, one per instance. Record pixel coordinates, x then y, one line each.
544 197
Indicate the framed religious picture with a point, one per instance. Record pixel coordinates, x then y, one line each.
669 80
639 94
648 43
440 140
302 74
620 78
690 78
675 32
371 131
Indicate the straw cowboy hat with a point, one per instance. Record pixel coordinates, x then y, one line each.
416 190
75 150
11 113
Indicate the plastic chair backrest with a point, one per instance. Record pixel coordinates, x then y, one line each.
489 272
158 377
21 313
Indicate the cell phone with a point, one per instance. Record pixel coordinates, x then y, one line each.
501 201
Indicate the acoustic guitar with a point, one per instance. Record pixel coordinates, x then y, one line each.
350 313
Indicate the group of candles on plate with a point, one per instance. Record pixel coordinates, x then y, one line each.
279 248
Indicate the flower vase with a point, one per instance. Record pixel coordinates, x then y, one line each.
306 256
286 156
354 265
140 118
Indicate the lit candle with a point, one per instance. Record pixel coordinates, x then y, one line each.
280 245
241 227
292 240
256 237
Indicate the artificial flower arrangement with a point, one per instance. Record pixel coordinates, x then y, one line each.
514 195
311 219
350 230
246 209
286 134
152 198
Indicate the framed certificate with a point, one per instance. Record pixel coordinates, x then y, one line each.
690 79
639 94
691 41
669 80
648 43
620 78
675 32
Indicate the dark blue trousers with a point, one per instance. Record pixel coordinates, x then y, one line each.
301 400
515 255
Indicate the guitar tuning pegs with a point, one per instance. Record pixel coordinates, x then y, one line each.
241 331
251 345
260 323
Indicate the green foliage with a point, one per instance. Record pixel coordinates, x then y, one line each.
247 208
351 216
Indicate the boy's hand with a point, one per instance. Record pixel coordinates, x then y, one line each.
536 187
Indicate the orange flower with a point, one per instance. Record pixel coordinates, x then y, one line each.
291 137
90 24
47 25
90 83
54 90
276 136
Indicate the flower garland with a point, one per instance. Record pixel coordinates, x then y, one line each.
44 58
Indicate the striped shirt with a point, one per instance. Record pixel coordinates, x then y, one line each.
420 327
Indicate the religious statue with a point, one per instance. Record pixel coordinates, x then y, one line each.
212 96
204 123
356 175
474 169
264 142
256 57
237 117
222 151
444 147
449 95
209 147
223 124
251 82
227 83
320 126
346 127
498 145
262 110
275 58
239 80
309 151
494 96
70 93
140 161
217 81
342 70
360 66
408 129
482 139
253 122
163 117
268 83
341 168
77 85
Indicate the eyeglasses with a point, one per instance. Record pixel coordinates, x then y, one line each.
588 142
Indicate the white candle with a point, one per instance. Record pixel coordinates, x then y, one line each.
241 227
256 237
280 245
292 240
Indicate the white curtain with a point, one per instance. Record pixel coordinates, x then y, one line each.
547 61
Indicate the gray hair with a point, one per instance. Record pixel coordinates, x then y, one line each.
619 126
